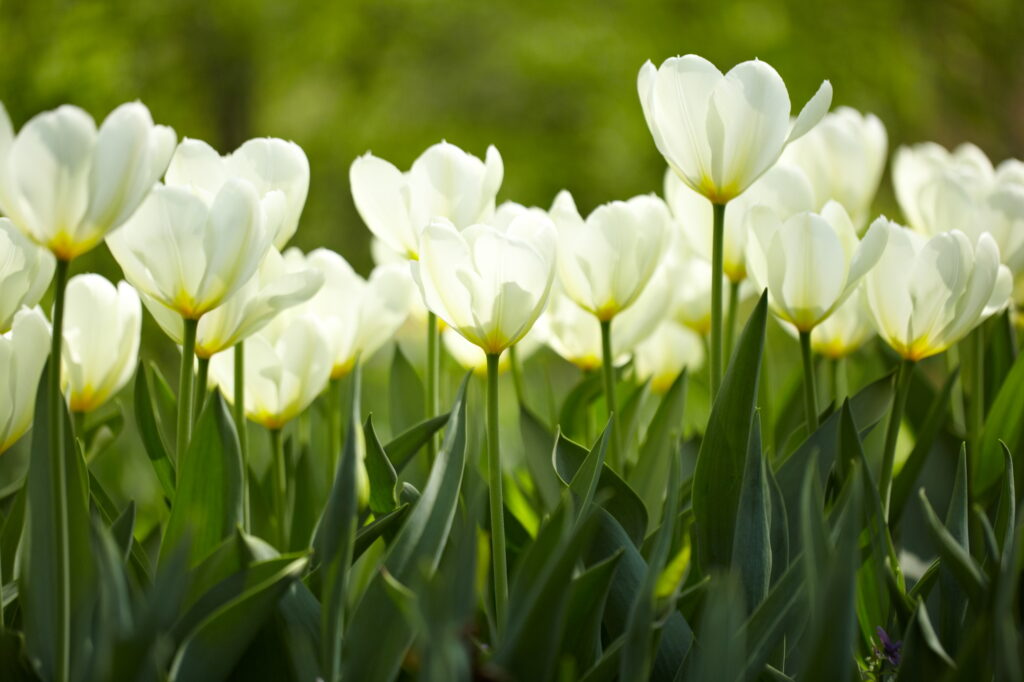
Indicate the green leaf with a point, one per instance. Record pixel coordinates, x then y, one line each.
108 511
537 449
406 395
923 655
573 417
211 650
1004 422
649 475
954 556
1007 509
208 501
719 652
779 527
385 526
401 448
122 530
954 602
781 614
148 421
588 594
378 635
752 551
383 479
335 536
719 471
14 661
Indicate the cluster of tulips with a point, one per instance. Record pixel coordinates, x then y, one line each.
754 201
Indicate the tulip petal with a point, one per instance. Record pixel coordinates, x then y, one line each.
381 197
814 110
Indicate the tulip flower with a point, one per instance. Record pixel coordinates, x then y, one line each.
924 295
844 331
663 355
720 133
810 263
444 181
269 164
23 352
490 285
843 158
66 184
25 273
471 357
101 340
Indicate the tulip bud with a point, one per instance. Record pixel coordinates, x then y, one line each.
102 326
25 272
66 185
23 353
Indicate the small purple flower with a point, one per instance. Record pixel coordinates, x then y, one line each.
890 651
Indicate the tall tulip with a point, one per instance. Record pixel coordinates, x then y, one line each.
841 334
810 264
924 295
23 352
720 133
101 340
663 355
490 285
25 273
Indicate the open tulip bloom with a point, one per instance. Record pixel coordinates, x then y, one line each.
23 352
25 273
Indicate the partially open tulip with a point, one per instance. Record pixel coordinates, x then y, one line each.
473 358
488 284
25 272
360 315
66 184
663 355
275 287
924 295
190 250
23 353
605 261
811 262
444 181
286 367
845 330
101 340
720 133
268 163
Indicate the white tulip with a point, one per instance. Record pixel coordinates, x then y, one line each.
720 133
663 355
286 367
66 184
471 357
276 286
811 262
443 182
843 157
102 327
360 315
25 272
269 164
924 295
845 330
605 262
786 189
189 250
23 353
490 285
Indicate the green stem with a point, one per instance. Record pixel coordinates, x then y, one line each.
517 374
202 379
899 403
958 402
334 402
1010 330
608 370
60 480
238 410
280 481
839 383
976 414
497 503
433 370
717 246
185 378
730 318
810 390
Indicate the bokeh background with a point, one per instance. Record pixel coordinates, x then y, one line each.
552 85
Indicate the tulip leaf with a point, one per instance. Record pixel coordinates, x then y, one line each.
781 613
1004 422
418 546
148 420
953 555
719 653
383 479
211 649
752 551
401 448
649 475
588 593
573 418
923 657
723 451
537 449
208 501
954 601
108 511
1007 509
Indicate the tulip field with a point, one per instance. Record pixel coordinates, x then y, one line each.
740 427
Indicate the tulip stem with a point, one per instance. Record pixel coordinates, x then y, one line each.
899 403
433 370
280 488
202 379
1011 329
976 405
608 370
59 489
717 245
335 399
810 390
517 373
238 410
839 387
730 317
494 483
185 378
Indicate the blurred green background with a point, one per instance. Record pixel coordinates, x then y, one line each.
552 86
